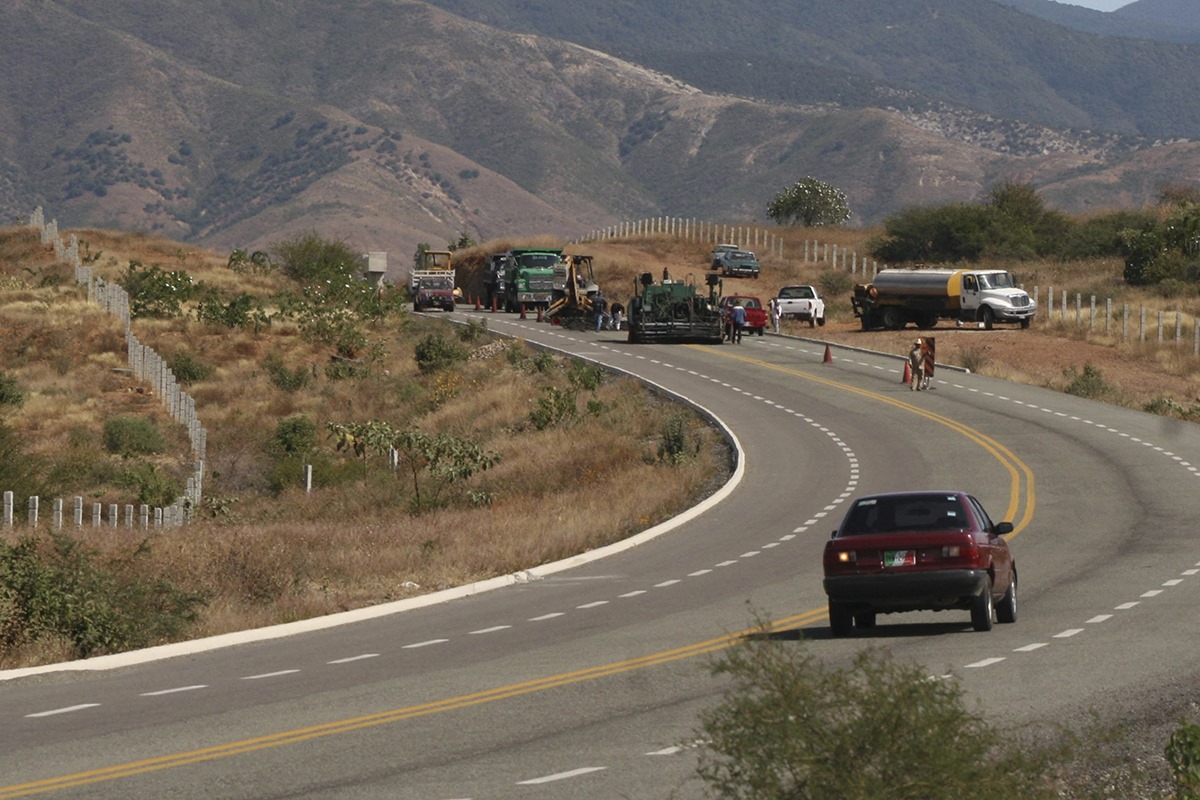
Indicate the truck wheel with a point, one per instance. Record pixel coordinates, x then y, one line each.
893 320
928 321
987 317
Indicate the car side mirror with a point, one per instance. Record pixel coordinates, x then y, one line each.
833 534
1003 528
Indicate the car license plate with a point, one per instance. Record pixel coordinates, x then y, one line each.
899 558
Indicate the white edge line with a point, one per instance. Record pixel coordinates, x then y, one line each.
220 641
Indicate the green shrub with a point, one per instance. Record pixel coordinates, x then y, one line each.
472 331
1089 383
128 435
791 726
150 484
583 375
833 283
673 443
53 587
242 311
187 369
10 392
154 292
289 380
20 472
294 436
436 352
1183 756
555 407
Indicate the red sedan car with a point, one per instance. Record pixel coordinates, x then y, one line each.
919 551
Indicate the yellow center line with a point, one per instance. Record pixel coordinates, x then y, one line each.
1016 468
297 735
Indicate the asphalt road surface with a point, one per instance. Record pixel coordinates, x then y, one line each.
584 680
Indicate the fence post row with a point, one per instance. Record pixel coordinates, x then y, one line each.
145 365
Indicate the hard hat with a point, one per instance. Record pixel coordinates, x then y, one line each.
918 341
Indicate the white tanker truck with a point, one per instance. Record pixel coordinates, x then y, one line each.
897 297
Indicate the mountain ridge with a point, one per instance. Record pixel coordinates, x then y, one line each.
400 123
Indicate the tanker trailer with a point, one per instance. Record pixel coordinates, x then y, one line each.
897 297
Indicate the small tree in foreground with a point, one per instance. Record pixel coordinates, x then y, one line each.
809 202
791 726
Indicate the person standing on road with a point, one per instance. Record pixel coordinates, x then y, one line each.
600 308
617 314
737 317
916 367
776 313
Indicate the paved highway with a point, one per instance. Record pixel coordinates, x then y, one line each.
585 682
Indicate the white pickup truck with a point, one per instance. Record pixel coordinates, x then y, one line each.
802 303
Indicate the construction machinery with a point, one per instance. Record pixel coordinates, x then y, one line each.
574 290
675 311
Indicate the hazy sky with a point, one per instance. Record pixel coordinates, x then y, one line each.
1098 5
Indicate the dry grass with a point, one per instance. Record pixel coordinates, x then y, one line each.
262 556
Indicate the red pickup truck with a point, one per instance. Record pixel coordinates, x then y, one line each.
756 312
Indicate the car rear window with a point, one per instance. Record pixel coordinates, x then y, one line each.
924 512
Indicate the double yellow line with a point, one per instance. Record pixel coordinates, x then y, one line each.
134 768
1021 487
1022 493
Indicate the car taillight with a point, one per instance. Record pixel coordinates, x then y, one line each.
847 557
969 551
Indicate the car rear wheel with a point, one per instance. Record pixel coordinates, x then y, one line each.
1006 609
864 620
840 619
982 609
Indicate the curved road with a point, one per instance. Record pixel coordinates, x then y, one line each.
585 682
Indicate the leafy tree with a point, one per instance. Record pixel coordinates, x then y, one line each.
463 242
419 254
950 233
809 202
793 727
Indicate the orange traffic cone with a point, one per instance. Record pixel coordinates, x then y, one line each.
539 319
523 311
493 305
828 356
907 373
476 303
